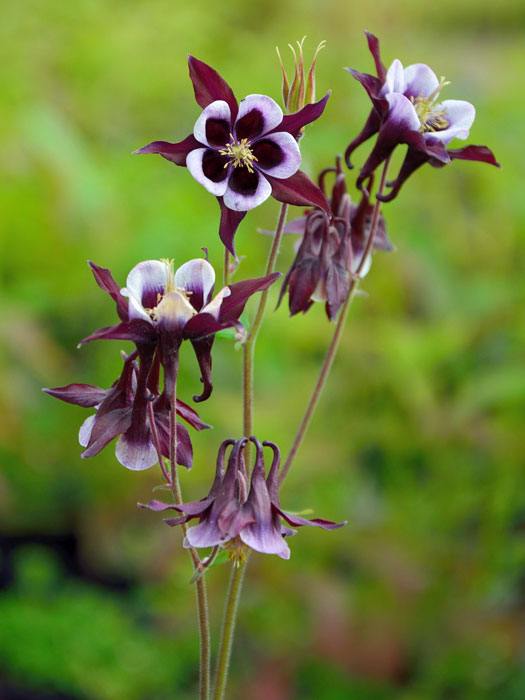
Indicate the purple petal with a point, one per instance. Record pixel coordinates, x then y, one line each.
294 123
266 538
174 152
144 284
205 534
258 114
85 395
106 427
299 190
413 161
233 305
246 190
84 434
373 87
158 506
194 508
297 521
213 127
373 46
277 154
202 349
137 331
230 221
209 86
105 281
191 416
208 168
420 80
197 277
370 128
395 78
478 153
135 453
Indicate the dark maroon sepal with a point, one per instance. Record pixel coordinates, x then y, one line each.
233 305
373 45
202 349
202 325
85 395
298 190
294 123
106 427
105 281
191 416
482 154
229 224
210 86
174 152
370 128
137 330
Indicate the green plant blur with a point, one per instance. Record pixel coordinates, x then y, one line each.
418 441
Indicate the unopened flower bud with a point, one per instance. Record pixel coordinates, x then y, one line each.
300 91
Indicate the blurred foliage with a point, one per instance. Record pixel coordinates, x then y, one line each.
418 440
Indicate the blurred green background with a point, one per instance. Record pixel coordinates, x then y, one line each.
418 441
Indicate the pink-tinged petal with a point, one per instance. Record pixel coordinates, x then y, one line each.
373 46
420 80
105 281
205 534
214 306
477 153
402 113
395 78
209 86
84 434
197 277
294 123
277 154
84 395
233 305
207 167
300 191
229 224
213 127
136 455
137 331
144 284
258 114
246 190
174 152
266 538
460 116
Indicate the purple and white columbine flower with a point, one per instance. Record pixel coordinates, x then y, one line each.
241 509
243 152
160 307
331 249
407 109
126 411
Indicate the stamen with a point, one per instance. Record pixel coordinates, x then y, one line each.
431 119
239 153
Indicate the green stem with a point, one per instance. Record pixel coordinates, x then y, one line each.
336 338
239 570
200 583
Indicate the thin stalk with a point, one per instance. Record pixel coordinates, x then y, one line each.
336 338
200 583
226 268
239 570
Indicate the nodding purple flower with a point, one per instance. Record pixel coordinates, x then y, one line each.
241 509
331 249
161 307
242 152
134 410
407 109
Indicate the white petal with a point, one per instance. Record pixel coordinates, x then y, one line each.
290 152
402 111
196 276
214 306
460 116
395 78
135 456
194 165
272 114
420 80
84 434
144 283
216 110
244 202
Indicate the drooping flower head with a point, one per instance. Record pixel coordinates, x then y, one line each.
133 409
241 509
242 152
407 109
331 249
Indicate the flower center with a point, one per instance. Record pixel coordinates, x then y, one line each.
431 119
174 303
239 153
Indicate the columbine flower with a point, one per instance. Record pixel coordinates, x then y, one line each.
242 153
125 411
407 109
241 509
161 307
331 249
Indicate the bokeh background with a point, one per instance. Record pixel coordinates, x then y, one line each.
418 440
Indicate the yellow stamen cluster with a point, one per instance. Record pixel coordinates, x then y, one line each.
239 153
431 119
237 551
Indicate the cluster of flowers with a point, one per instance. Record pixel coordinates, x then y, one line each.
243 153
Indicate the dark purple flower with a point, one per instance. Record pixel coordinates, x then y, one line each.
160 308
331 249
241 509
242 152
406 109
125 410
